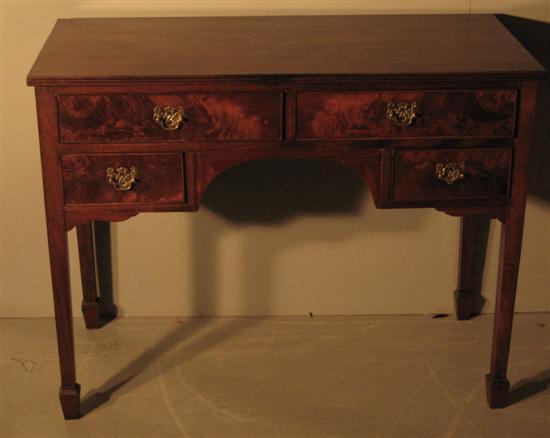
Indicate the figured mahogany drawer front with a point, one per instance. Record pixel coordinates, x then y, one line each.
162 117
123 178
451 174
406 114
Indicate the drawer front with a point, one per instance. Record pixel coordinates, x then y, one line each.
123 178
421 175
204 117
464 113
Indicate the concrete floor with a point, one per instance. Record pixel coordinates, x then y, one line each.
277 377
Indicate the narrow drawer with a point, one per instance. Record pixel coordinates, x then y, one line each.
421 175
406 114
123 178
161 117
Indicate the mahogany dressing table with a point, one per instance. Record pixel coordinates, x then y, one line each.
141 114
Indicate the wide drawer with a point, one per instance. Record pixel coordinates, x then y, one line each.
406 114
420 175
123 178
163 117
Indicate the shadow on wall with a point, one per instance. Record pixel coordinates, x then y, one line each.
269 193
266 192
273 191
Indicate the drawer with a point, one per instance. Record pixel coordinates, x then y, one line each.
123 178
162 117
406 114
420 175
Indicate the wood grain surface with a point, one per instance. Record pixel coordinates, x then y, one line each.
487 174
161 178
210 117
206 47
467 113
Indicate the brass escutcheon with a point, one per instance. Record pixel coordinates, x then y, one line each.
121 178
450 172
401 113
169 118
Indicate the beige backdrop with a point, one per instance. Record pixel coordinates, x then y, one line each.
330 257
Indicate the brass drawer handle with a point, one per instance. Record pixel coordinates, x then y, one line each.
121 178
401 113
169 118
450 172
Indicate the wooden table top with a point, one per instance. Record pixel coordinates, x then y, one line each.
115 49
